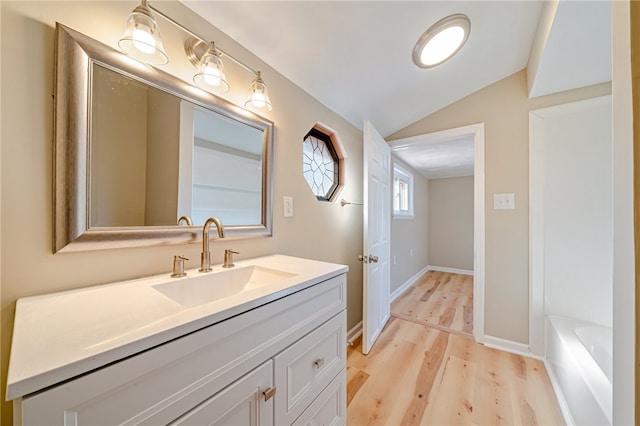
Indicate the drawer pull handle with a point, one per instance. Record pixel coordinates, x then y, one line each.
318 362
269 393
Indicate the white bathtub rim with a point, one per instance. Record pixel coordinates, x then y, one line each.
598 384
586 335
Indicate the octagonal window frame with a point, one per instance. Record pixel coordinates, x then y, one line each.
332 140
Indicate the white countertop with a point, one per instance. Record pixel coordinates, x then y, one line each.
61 335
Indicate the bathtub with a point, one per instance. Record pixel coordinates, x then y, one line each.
579 356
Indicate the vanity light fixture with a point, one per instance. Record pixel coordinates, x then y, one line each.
441 41
258 95
210 75
141 40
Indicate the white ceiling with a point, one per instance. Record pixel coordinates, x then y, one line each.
439 158
355 56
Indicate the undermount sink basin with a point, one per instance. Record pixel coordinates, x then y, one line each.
208 287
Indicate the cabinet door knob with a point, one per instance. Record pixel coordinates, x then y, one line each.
318 362
269 393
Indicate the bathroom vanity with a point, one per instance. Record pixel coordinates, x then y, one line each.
261 343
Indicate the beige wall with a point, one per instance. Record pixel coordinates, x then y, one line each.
451 222
119 152
410 235
504 109
161 207
324 231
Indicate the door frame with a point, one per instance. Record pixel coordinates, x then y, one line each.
477 131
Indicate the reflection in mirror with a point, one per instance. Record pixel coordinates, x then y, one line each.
227 170
134 152
155 157
137 148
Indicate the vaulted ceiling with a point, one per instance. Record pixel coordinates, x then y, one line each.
355 56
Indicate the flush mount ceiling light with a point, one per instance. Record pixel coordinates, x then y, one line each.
441 41
141 40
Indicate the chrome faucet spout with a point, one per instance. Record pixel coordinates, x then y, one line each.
205 257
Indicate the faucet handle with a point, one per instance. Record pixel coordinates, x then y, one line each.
178 266
228 258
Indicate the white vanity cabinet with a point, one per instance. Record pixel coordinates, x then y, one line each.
282 362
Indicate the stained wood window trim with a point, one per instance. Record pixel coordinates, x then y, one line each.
328 183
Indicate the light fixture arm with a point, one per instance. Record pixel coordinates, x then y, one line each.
202 39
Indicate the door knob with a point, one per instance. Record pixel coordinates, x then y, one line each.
363 259
373 259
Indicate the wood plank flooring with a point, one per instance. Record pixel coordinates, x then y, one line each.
440 299
425 368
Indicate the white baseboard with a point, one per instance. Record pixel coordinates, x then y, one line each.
411 281
562 402
509 346
354 333
450 270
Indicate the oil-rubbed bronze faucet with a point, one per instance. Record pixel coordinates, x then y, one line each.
205 257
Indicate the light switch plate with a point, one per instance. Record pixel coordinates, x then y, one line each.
504 201
288 206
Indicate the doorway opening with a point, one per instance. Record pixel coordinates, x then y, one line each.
475 133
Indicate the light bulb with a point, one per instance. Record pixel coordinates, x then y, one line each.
258 100
211 76
144 41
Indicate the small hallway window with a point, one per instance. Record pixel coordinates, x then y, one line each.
402 193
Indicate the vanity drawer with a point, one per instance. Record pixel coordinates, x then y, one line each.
330 408
304 369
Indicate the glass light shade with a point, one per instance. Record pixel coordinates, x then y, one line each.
141 39
258 95
441 41
210 75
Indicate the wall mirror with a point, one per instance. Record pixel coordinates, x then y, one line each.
137 148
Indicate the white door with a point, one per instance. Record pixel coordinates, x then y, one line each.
377 236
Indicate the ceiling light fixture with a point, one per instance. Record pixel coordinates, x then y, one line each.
141 40
441 41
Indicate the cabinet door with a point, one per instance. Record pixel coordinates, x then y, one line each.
330 407
242 403
304 369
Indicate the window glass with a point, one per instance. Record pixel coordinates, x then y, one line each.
402 192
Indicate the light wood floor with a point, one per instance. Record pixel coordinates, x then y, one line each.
418 373
440 299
